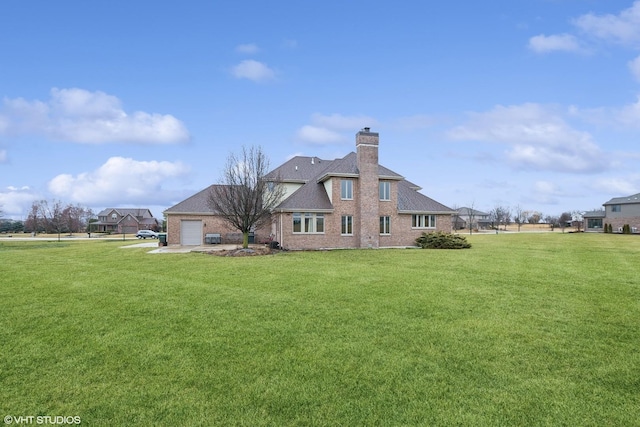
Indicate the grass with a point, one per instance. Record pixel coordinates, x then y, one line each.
522 329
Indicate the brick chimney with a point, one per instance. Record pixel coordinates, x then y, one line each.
367 220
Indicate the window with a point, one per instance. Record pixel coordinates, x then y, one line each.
308 222
347 224
346 189
114 216
594 223
615 208
423 221
385 225
385 190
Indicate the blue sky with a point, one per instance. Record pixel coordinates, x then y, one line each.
531 103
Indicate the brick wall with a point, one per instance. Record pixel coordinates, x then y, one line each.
210 225
620 222
367 219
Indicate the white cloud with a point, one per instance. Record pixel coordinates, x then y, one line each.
318 135
634 67
618 186
249 48
629 115
77 115
626 117
339 122
253 70
119 181
622 28
538 138
15 201
331 129
558 42
546 192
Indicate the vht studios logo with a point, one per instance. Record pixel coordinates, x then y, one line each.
42 419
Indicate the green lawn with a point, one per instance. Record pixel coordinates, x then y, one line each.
522 329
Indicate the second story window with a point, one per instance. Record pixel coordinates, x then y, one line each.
346 189
385 190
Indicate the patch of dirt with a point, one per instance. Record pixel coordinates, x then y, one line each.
254 251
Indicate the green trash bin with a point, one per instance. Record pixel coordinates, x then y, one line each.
162 239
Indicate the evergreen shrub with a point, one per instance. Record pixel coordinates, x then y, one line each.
440 240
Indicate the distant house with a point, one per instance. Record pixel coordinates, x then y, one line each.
125 220
618 212
478 219
350 202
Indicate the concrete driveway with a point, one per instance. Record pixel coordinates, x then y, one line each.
177 249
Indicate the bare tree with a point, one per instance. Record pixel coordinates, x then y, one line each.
76 218
519 216
533 217
500 215
577 220
472 216
564 218
53 216
456 218
244 199
552 220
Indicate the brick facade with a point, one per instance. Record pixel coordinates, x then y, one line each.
365 207
314 188
211 224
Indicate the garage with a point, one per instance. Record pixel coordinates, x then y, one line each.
190 232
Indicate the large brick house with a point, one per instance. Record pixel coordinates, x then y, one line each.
618 212
351 202
125 220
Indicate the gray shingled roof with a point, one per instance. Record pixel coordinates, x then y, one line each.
299 169
311 196
135 212
469 211
410 201
634 198
198 203
594 214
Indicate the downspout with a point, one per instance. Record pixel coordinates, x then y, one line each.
281 233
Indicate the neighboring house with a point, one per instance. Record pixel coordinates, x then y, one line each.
618 212
125 220
351 202
480 220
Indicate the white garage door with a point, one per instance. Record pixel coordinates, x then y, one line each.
190 232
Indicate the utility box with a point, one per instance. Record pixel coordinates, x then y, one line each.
213 239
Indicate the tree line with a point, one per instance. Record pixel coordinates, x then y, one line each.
55 217
500 217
